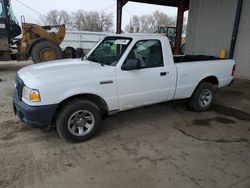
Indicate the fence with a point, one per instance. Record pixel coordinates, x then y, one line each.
82 39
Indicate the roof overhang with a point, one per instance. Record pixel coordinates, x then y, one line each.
171 3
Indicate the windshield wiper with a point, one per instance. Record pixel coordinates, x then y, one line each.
96 60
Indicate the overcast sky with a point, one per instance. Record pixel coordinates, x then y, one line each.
44 6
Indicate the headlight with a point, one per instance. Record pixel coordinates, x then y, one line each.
31 95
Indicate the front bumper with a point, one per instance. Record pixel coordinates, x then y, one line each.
34 116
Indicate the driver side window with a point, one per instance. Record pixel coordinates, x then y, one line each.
149 52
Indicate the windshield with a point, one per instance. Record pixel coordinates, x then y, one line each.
2 10
110 50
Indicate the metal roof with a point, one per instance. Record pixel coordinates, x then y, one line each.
172 3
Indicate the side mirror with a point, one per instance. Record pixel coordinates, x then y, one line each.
131 64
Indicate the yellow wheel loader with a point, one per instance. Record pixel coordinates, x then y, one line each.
37 42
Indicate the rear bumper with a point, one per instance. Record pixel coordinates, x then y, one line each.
33 116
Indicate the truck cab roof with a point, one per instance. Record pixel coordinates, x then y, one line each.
139 36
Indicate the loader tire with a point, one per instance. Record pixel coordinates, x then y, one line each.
79 53
69 52
46 51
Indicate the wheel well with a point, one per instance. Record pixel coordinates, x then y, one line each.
93 98
211 79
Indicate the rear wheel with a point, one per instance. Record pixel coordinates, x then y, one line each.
202 97
78 121
46 51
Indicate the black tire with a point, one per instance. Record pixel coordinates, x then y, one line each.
69 52
66 117
79 53
45 51
198 102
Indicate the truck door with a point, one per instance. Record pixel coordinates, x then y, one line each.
147 85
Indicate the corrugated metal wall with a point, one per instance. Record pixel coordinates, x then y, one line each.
82 39
242 51
210 26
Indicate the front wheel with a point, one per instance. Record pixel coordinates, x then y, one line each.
78 121
202 97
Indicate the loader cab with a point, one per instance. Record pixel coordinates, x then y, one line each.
14 29
9 29
2 17
8 23
2 9
2 12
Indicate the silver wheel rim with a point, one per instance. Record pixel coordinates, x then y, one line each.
81 123
205 98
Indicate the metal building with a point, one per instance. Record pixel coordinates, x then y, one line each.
210 26
242 50
213 25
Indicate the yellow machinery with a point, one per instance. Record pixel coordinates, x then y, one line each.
41 43
170 32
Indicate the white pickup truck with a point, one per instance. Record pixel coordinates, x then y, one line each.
122 72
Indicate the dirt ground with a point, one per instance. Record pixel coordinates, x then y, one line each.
164 145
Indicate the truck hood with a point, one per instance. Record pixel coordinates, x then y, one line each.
64 71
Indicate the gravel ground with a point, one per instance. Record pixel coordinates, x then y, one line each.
164 145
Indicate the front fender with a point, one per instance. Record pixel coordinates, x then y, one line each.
79 91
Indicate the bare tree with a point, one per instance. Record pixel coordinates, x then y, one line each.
92 21
106 21
144 23
149 23
162 19
80 20
134 25
55 17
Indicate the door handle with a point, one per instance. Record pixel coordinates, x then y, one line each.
163 73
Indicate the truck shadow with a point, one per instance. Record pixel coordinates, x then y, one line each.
161 116
231 112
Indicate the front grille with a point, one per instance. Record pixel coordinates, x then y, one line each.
19 87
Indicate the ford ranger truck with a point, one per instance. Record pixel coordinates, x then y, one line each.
121 72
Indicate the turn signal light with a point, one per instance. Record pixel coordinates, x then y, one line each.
35 96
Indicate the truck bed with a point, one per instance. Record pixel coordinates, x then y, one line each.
192 58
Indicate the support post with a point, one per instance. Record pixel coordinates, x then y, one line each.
120 4
179 27
236 28
119 17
